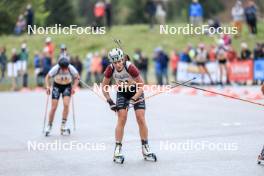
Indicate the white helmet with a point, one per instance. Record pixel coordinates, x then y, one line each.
115 54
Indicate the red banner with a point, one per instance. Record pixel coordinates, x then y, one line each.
240 70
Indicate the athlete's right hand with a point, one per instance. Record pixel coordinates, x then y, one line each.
48 90
112 105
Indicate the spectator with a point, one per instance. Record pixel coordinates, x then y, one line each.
108 13
192 52
238 16
150 9
37 69
141 62
87 65
99 13
184 56
161 61
227 39
24 64
20 25
96 67
259 51
46 63
144 67
50 49
78 65
14 60
221 55
105 60
214 23
231 54
196 13
136 57
29 14
157 66
160 13
3 62
251 16
201 59
245 52
63 51
174 60
211 53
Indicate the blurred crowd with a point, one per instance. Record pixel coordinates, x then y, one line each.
92 67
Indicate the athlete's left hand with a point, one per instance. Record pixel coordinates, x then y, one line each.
132 102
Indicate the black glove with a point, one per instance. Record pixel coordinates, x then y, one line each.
112 105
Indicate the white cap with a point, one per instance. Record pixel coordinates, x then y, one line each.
24 46
48 39
244 45
221 42
89 55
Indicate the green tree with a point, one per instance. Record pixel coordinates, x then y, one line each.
136 11
10 10
61 12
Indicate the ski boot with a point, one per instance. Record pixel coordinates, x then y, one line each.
147 154
261 157
118 156
64 129
48 130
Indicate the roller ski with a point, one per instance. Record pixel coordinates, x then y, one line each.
147 154
118 156
65 131
261 157
48 130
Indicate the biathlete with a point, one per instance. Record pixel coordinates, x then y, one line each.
129 91
65 81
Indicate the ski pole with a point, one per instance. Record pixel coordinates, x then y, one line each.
155 94
45 115
73 115
221 94
89 87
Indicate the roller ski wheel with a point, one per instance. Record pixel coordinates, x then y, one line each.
147 154
47 133
65 132
261 157
48 130
150 157
119 159
260 160
118 156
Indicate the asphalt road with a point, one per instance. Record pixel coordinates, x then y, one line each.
190 134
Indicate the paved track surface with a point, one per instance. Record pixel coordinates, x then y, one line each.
184 132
